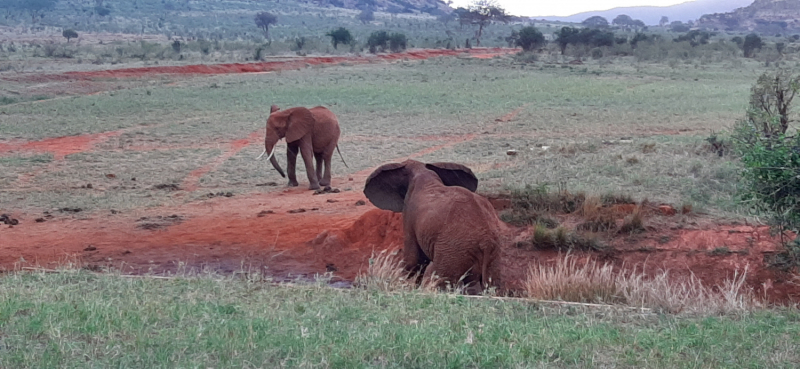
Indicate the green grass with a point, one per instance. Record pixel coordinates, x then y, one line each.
79 320
390 111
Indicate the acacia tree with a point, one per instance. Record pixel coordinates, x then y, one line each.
566 36
264 20
596 22
69 33
481 13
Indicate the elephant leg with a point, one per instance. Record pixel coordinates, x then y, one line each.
291 164
318 158
308 159
414 259
325 180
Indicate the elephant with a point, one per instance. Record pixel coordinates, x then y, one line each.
314 133
449 231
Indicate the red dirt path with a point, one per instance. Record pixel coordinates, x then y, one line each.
333 234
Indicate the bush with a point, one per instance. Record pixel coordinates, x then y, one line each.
529 38
380 41
397 42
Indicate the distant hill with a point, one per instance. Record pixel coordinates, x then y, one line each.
763 16
651 15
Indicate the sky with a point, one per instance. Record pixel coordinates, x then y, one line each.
532 8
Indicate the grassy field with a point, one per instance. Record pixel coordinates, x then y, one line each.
77 319
390 111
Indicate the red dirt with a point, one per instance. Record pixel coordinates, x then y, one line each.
260 67
60 147
333 233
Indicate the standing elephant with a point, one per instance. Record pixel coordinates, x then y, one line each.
314 133
449 230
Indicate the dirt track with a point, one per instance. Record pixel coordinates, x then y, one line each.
267 232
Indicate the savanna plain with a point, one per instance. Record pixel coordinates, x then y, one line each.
150 237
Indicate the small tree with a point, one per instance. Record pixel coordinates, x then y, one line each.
664 21
366 16
751 43
264 20
69 33
530 38
340 36
482 13
566 36
771 154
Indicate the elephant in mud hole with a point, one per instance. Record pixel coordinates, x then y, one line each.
314 133
449 230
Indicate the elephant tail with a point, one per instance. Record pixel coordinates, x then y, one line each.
340 155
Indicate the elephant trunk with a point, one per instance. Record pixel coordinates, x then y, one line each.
270 144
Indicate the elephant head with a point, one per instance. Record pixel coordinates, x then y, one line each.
388 185
292 124
450 231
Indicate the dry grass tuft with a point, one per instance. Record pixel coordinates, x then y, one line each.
688 296
385 273
571 280
633 223
596 217
590 282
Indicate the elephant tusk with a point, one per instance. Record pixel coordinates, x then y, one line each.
262 154
271 153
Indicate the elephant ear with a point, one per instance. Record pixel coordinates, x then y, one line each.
386 187
453 174
300 122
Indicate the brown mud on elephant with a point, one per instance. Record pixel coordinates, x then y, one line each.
449 231
313 133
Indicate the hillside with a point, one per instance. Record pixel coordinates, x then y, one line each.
651 15
433 7
765 16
